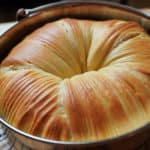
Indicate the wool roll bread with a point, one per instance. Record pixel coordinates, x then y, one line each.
78 80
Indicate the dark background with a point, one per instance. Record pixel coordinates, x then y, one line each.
8 8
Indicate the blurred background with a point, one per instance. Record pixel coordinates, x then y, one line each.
8 8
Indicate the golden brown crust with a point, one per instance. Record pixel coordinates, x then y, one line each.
78 80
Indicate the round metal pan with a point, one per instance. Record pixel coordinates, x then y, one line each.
96 10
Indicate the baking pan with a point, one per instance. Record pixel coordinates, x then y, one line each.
29 20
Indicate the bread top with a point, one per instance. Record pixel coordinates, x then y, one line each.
68 47
78 80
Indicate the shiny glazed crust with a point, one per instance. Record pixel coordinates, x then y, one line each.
78 80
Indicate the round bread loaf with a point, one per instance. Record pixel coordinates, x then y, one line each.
78 80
